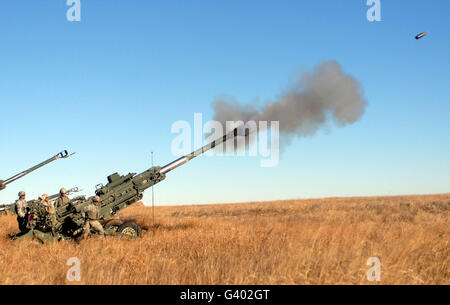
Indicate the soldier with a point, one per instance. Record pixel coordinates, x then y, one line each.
21 210
51 212
63 199
91 214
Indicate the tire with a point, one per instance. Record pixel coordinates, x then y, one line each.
130 230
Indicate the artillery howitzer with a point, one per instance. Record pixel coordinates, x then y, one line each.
64 154
10 209
119 193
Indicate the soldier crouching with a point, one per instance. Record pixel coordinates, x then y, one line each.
91 214
50 210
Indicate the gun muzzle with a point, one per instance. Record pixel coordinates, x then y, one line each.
64 154
172 165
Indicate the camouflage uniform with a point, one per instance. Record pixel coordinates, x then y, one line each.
92 214
21 210
31 221
51 212
62 201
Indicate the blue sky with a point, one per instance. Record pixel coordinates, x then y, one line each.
110 87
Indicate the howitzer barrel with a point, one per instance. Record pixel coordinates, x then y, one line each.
68 192
64 154
120 192
172 165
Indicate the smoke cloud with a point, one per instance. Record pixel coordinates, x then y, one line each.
324 94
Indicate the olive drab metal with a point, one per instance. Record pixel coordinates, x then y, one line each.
120 192
62 155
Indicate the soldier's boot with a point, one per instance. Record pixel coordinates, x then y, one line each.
103 233
85 235
86 230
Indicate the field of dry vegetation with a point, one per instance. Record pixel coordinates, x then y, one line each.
317 241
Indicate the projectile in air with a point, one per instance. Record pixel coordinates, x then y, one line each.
421 35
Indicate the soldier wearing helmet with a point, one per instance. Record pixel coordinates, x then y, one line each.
50 218
62 199
21 210
91 214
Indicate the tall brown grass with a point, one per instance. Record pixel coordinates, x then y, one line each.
320 241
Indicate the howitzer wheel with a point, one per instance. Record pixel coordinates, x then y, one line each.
129 229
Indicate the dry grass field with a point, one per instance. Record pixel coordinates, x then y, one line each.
317 241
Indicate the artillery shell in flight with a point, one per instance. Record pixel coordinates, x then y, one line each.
421 35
